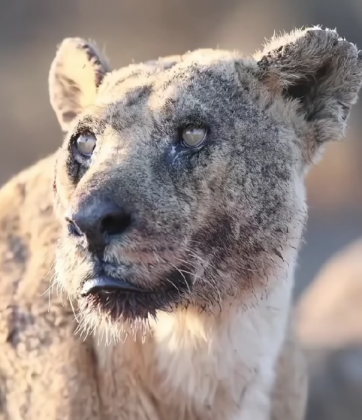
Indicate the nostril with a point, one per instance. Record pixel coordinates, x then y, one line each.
96 221
114 224
73 228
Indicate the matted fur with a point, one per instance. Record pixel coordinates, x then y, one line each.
226 220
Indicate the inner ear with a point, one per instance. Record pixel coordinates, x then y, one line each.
306 89
300 90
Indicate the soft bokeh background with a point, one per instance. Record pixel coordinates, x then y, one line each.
136 30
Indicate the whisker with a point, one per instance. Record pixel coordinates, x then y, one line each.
193 253
156 256
173 284
180 271
73 310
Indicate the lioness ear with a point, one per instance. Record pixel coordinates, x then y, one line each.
321 71
75 74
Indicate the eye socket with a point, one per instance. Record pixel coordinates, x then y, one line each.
85 143
193 137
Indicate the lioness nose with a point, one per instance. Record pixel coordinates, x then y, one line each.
99 220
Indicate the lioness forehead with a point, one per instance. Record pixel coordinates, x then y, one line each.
191 69
199 87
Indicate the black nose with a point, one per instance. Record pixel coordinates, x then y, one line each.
99 219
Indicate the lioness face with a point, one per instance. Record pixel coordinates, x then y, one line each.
180 181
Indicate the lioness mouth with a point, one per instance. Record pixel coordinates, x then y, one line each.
109 284
118 299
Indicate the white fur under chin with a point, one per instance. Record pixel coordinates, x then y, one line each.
227 361
203 366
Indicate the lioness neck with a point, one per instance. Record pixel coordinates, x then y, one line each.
199 364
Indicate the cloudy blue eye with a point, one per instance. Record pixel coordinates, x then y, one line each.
193 137
85 144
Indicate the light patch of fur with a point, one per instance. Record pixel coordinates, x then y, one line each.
234 353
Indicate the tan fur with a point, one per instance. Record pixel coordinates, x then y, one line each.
234 212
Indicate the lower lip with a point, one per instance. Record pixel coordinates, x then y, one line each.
108 284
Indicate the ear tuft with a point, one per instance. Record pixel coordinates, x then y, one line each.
320 70
75 74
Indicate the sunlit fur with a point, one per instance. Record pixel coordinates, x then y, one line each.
223 224
226 218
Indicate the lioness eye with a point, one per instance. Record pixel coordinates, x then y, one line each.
86 143
193 137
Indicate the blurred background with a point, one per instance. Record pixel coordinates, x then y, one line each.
138 30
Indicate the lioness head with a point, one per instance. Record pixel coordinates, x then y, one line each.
180 181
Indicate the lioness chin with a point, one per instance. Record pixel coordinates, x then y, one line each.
179 210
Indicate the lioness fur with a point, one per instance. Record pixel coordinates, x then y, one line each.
208 235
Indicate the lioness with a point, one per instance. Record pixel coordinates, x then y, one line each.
179 210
